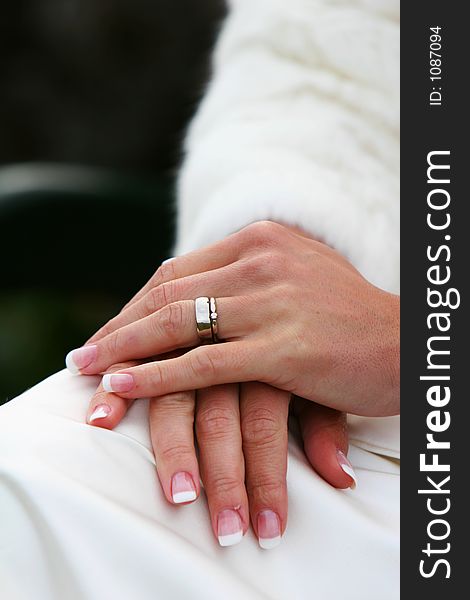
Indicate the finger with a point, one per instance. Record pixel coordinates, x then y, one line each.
221 461
174 326
107 409
325 436
251 238
215 256
214 283
264 413
199 368
171 430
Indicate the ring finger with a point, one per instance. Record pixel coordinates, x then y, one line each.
233 277
172 327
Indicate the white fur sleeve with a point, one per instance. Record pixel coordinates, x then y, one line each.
300 125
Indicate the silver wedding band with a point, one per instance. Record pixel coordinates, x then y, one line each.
206 319
213 317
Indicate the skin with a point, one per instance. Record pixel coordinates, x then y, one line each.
343 354
241 434
332 339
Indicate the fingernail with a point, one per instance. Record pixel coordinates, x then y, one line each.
229 528
168 260
117 382
347 467
80 358
182 488
101 411
269 529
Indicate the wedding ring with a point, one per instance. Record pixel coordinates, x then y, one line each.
213 318
203 319
206 319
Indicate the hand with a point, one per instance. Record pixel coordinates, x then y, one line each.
299 317
241 435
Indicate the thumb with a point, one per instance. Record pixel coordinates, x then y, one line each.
107 409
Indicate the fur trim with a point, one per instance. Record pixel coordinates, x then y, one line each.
300 125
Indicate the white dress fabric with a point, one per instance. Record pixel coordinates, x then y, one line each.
299 124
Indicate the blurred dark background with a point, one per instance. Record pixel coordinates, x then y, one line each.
94 101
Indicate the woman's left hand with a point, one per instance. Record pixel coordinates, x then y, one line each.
293 313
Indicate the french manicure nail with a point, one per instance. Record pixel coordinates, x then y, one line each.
269 529
80 358
117 382
101 411
229 528
347 467
182 488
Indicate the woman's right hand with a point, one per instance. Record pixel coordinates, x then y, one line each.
241 433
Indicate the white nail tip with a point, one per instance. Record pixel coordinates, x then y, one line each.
99 413
106 383
349 471
71 366
181 497
268 543
231 539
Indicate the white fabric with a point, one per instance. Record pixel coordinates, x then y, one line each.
83 518
299 125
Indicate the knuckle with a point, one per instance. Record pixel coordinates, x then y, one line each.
176 405
204 363
261 428
266 230
266 488
171 319
157 377
117 342
153 300
215 422
174 400
98 397
165 273
279 261
257 235
160 296
226 485
176 452
155 380
256 268
265 264
168 293
264 234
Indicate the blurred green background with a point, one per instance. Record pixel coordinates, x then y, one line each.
94 101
